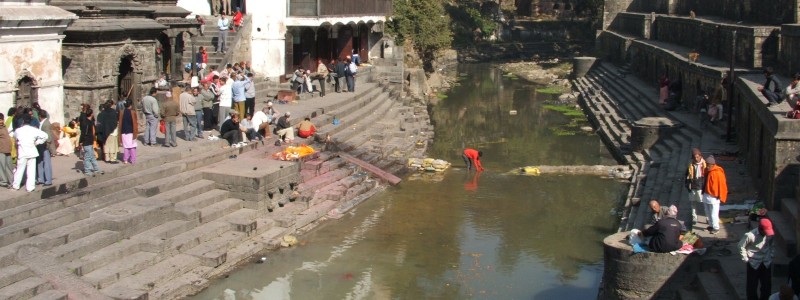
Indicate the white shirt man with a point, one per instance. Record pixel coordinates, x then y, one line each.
27 138
225 99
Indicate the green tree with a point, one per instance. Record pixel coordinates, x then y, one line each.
425 23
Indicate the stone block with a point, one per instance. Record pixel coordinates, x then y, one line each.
633 276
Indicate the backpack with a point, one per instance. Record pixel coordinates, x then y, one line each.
794 114
352 68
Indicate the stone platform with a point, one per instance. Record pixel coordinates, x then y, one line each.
163 227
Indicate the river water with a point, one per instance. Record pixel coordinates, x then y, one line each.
461 235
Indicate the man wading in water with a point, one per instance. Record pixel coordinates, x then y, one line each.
472 157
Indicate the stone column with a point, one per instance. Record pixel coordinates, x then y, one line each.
176 72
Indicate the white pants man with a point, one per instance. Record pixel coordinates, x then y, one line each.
25 166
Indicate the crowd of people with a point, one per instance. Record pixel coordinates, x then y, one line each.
332 73
223 101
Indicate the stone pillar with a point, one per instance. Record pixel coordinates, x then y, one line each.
268 35
582 65
628 275
176 71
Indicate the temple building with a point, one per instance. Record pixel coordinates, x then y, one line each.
31 33
294 33
113 51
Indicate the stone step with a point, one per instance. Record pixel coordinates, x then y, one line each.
165 184
136 243
162 271
341 109
85 245
354 135
244 220
31 211
713 286
51 295
193 237
347 115
219 209
187 191
25 289
119 269
214 252
13 273
336 190
785 234
134 216
323 180
202 200
69 232
185 284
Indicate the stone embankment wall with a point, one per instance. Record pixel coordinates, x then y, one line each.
653 44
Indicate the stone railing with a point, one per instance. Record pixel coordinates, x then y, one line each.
774 12
756 46
636 24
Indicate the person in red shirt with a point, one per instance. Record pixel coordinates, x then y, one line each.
472 157
237 19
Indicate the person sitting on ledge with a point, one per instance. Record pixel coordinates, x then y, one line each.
771 88
793 92
664 235
657 211
230 129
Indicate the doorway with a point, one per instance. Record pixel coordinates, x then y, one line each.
125 82
26 92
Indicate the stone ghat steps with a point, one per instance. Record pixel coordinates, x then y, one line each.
383 133
614 129
209 41
38 217
334 184
660 180
143 215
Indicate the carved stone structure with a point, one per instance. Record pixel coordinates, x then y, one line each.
30 54
111 51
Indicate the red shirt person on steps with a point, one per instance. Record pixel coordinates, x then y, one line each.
472 157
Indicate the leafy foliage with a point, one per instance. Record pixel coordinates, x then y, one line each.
425 23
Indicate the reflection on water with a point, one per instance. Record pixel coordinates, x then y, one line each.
461 235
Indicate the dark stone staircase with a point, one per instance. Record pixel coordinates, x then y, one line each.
209 41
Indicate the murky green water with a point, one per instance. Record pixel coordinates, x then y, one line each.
460 235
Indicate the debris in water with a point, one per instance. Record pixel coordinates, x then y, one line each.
513 112
262 260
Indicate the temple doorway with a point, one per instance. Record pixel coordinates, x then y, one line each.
26 92
125 82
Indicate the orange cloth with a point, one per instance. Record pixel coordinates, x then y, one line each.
716 184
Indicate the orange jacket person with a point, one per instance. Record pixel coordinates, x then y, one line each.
715 191
472 157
